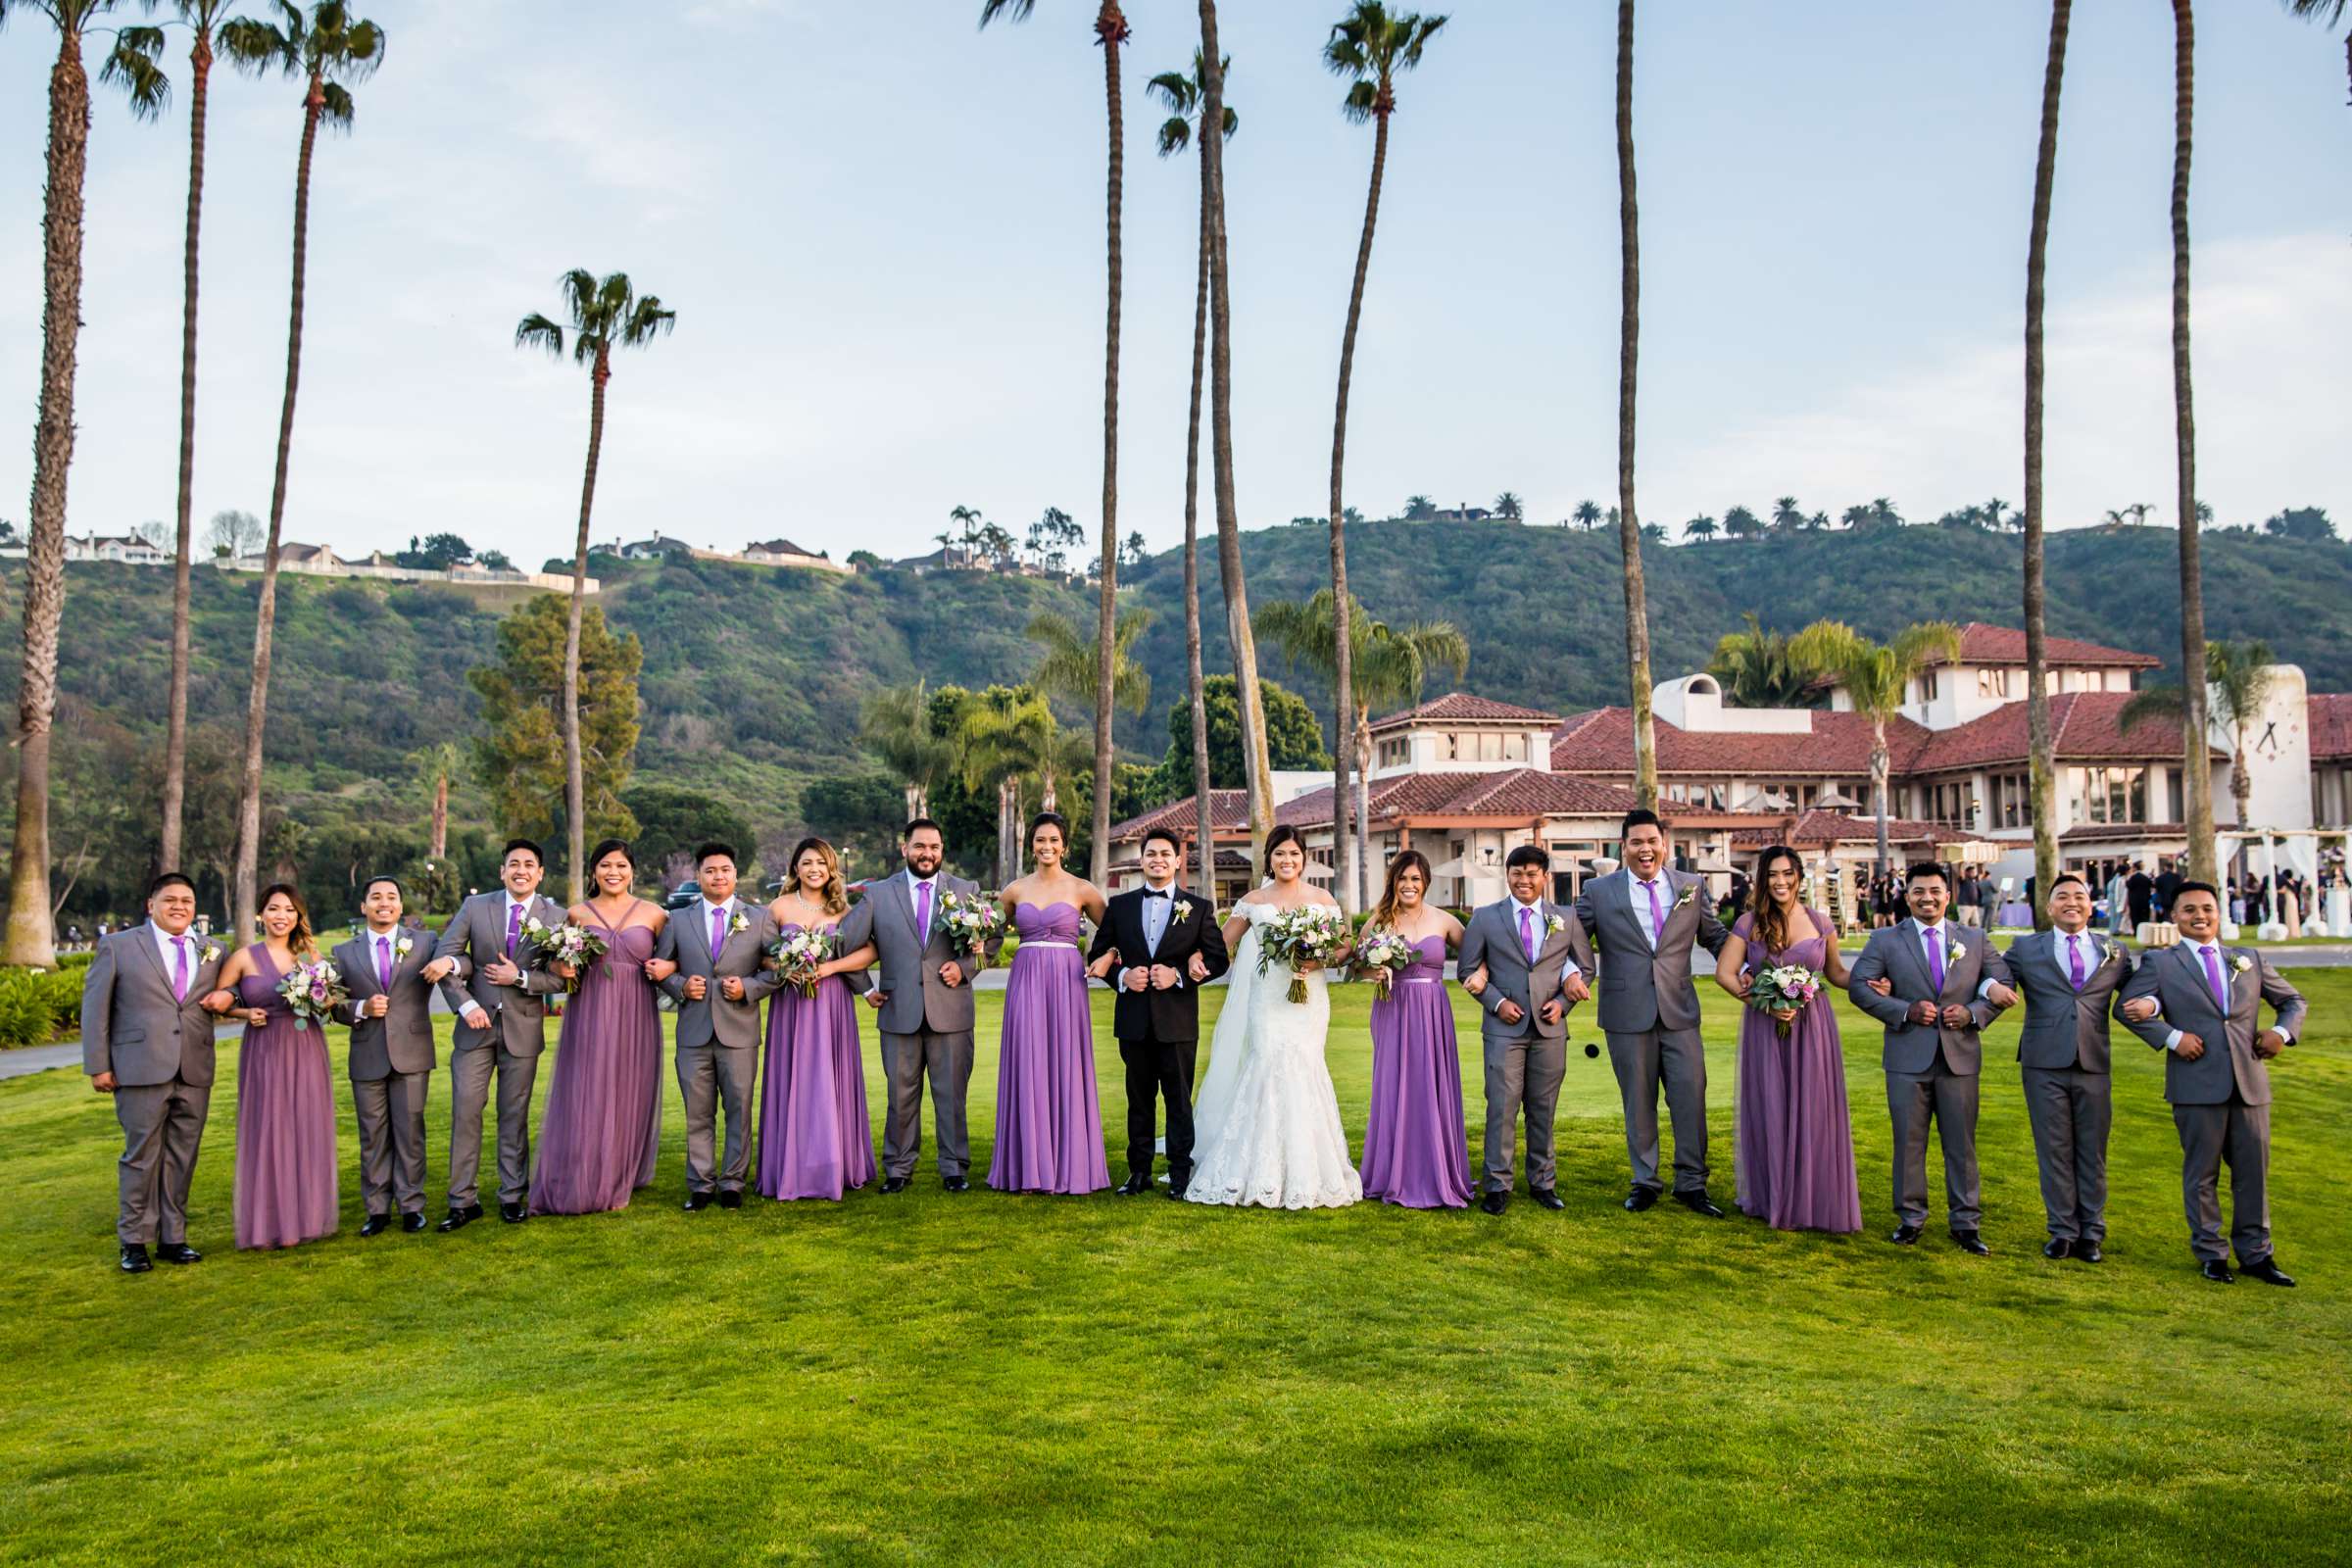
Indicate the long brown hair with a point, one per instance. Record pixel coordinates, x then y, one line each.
1384 913
1769 927
302 941
832 897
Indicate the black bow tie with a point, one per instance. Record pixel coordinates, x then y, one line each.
1156 893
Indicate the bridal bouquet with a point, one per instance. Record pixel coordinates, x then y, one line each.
312 989
574 945
797 957
1312 933
971 919
1784 985
1383 955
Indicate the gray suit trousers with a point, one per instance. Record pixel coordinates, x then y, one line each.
2240 1136
713 1077
1678 1058
2072 1110
906 1059
391 1115
1949 1100
468 1095
1522 1074
162 1126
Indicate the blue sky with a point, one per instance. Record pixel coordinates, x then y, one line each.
882 232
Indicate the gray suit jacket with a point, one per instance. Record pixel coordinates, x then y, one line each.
920 999
1641 989
1895 951
402 1039
130 1026
2066 1027
1492 938
476 936
2175 978
686 943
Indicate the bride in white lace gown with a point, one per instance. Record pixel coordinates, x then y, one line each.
1268 1121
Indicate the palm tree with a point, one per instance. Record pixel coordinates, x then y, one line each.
1787 514
1993 511
2198 814
1367 48
435 766
1816 524
331 49
2333 11
1702 527
2238 678
1757 670
1586 515
1419 509
1390 662
894 727
31 929
1182 93
1258 768
2041 742
1002 746
1508 507
1068 669
1741 523
1876 677
605 315
1629 530
1110 32
1855 517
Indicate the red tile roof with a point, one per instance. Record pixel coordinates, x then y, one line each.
1460 707
2331 726
1515 794
2084 728
1602 742
1981 643
1227 809
1840 827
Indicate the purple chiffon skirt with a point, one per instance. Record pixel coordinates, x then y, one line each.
602 1132
815 1140
1417 1153
286 1189
1793 1149
1049 1122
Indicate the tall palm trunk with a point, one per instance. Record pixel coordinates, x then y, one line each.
1204 837
2196 772
1343 662
2039 746
1881 765
440 848
1110 31
249 801
1362 740
1629 526
175 721
1255 762
31 930
575 782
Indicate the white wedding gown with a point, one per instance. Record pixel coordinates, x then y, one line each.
1267 1122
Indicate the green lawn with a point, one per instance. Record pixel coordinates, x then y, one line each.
995 1379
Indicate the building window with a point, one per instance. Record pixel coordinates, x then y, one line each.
2176 802
1515 748
2110 794
1951 804
2012 800
1927 685
1992 683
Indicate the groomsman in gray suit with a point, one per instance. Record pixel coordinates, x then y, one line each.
147 1040
1946 985
2069 977
925 1001
1642 922
717 945
391 1017
483 966
2209 1030
1536 957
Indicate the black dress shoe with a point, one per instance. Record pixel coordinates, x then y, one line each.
456 1219
1136 1182
1177 1190
375 1225
1971 1242
894 1184
513 1214
2219 1272
696 1202
2088 1253
955 1184
1496 1202
732 1197
1640 1198
177 1252
134 1257
2268 1271
412 1221
1698 1202
2058 1247
1546 1196
1905 1235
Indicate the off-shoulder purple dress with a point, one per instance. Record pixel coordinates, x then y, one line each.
815 1139
286 1189
1416 1153
600 1134
1794 1147
1049 1122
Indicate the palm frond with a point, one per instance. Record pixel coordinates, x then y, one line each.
1177 89
1175 136
255 47
130 64
338 110
1012 10
537 332
1361 100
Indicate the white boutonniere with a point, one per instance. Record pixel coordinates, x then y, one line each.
404 947
2240 964
741 922
212 953
1554 925
1688 894
1958 952
1184 910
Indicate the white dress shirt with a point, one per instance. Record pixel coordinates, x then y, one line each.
1640 899
164 941
1163 910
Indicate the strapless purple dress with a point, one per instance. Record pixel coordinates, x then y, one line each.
286 1178
1049 1122
1416 1153
815 1139
1793 1144
602 1131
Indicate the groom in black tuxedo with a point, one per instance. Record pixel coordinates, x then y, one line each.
1161 945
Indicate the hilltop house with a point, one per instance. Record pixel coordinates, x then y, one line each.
129 549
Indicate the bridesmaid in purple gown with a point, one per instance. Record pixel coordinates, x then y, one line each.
1049 1122
601 1133
286 1189
1416 1150
815 1139
1793 1148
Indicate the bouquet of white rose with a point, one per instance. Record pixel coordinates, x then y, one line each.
1312 933
1382 955
1784 985
971 919
574 946
797 955
312 989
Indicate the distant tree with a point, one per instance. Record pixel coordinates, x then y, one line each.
1068 669
153 532
859 559
673 818
1349 516
1702 527
1876 677
520 758
895 727
234 533
1741 523
1586 515
1757 670
1293 736
1137 550
1855 517
1787 515
435 766
1508 507
438 551
1817 522
493 561
2300 522
1654 532
2238 679
1419 509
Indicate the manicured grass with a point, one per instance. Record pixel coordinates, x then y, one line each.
995 1378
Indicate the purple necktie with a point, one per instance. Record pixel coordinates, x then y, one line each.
383 962
513 926
179 969
1936 957
1527 933
718 931
922 911
1657 915
2213 976
2074 960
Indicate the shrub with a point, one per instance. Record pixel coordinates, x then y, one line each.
37 1006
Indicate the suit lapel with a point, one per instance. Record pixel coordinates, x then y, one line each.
155 960
1907 940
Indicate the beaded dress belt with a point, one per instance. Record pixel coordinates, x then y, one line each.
1072 945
